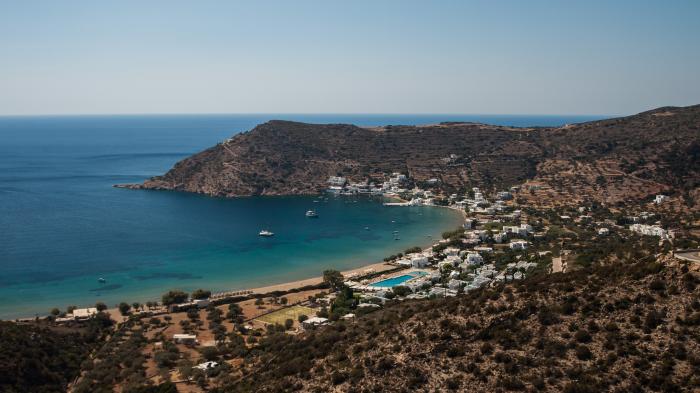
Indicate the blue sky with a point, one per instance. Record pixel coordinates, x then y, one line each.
488 57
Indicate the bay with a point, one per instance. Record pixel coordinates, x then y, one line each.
63 226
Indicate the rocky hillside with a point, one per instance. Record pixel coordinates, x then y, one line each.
611 160
619 328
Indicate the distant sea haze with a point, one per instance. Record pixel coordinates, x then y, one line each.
63 226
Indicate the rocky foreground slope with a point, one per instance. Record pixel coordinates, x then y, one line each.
627 158
619 328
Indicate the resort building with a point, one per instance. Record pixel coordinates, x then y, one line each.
419 261
84 313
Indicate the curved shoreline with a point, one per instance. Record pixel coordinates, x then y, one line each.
351 265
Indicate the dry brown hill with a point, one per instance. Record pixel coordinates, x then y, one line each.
620 328
609 160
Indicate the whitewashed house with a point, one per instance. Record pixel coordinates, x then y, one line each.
474 258
419 261
456 285
518 245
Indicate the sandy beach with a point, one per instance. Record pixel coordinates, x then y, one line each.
377 267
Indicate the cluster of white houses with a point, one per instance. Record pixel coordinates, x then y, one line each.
341 185
650 230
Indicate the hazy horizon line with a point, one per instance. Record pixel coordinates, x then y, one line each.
314 114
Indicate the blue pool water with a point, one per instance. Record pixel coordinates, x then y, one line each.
63 226
398 280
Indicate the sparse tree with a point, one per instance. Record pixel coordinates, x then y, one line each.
333 278
124 308
201 294
174 297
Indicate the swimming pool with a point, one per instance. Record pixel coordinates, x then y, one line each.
398 280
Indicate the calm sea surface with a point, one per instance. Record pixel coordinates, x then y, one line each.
63 226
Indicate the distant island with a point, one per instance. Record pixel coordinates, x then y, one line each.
611 161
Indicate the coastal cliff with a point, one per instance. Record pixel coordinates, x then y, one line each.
611 160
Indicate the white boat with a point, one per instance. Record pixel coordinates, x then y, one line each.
266 233
311 214
101 280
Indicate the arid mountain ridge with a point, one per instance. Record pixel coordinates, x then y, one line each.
627 158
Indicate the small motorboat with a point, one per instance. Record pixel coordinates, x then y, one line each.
101 280
311 214
266 233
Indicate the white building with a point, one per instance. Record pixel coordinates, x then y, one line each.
526 227
338 181
474 258
451 252
419 261
603 231
649 230
84 313
189 339
206 365
518 245
661 199
500 237
505 196
455 285
314 322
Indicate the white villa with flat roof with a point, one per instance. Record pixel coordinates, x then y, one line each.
518 245
84 313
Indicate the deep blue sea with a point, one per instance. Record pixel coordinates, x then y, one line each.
63 225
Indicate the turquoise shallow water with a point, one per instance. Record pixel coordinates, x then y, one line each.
62 225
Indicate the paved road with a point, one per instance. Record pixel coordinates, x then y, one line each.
692 256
